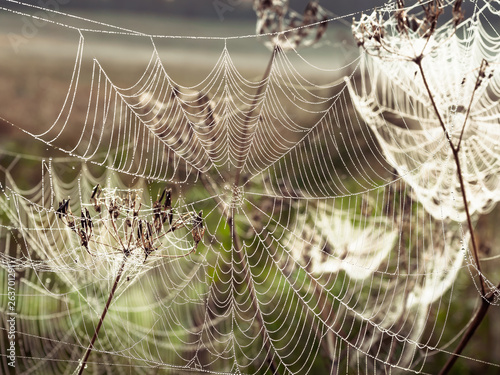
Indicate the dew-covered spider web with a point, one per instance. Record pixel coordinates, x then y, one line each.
334 237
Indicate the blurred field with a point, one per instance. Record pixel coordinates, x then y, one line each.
35 71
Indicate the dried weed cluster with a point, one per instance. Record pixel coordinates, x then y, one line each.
288 29
123 226
410 45
384 36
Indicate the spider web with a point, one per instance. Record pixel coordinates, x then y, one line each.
334 234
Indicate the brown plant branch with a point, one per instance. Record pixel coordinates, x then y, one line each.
479 78
485 299
229 215
253 107
455 152
83 364
418 61
323 304
145 236
476 321
251 288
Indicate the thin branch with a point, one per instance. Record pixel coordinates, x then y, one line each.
476 86
455 150
469 222
253 106
132 228
116 231
418 61
108 230
253 296
229 215
83 364
485 299
322 302
476 321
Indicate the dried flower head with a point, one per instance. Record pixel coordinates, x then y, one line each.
162 212
288 29
126 228
96 193
198 229
458 13
407 31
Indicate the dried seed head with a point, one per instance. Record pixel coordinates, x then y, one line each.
64 213
162 195
84 240
168 200
123 212
94 198
432 10
198 228
96 192
458 13
114 209
87 214
288 29
401 17
483 74
83 221
63 209
369 28
139 230
161 211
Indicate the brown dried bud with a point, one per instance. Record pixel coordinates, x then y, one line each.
168 200
84 240
96 193
432 12
458 13
62 211
198 228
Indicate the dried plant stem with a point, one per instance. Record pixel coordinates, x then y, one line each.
482 68
455 150
322 303
228 213
101 320
485 299
253 107
467 114
474 324
253 296
418 61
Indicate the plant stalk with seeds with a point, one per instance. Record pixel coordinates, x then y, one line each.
370 34
146 239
